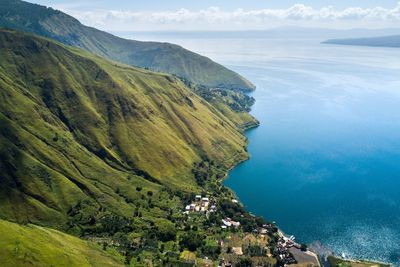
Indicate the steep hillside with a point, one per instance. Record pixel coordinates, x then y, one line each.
384 41
162 57
38 246
77 131
234 105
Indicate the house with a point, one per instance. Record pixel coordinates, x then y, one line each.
205 199
236 224
205 204
235 201
227 222
198 197
187 208
213 208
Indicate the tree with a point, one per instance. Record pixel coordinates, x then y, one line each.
244 262
166 231
211 251
191 241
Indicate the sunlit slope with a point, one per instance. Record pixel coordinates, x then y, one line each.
31 245
162 57
74 127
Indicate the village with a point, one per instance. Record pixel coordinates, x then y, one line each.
237 244
205 205
201 204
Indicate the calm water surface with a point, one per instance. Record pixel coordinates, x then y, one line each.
325 162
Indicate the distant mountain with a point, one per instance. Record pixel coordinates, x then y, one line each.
274 33
163 57
385 41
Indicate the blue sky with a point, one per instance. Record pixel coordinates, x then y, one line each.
148 15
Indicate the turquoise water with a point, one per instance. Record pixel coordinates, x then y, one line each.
325 162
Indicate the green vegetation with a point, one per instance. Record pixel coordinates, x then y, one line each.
233 104
111 154
164 57
31 245
75 127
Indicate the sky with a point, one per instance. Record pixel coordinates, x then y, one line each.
159 15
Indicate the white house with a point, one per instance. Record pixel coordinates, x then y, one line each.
226 222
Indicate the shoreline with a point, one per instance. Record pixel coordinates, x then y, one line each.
226 175
281 233
371 263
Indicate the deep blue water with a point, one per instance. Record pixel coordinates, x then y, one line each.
325 162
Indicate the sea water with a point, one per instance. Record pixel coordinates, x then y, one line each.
325 161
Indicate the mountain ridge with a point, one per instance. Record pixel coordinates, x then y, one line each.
110 154
93 127
163 57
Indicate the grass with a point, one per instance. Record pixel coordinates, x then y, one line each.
31 245
75 127
162 57
109 153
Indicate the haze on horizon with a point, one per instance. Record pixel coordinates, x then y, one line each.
230 15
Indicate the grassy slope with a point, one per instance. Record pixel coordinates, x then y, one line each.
163 57
75 127
31 245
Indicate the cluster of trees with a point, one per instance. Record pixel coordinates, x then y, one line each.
206 171
236 100
194 241
241 102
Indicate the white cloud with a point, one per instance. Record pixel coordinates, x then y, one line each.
214 18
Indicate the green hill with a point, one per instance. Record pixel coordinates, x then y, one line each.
164 57
75 128
112 154
31 245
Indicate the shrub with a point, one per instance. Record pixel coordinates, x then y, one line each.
191 241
